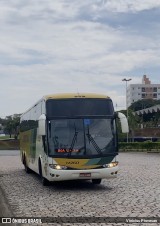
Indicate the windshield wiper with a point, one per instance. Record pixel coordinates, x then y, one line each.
73 140
55 141
95 145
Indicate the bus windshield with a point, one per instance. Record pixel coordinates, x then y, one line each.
81 137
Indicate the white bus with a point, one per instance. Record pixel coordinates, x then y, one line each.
70 137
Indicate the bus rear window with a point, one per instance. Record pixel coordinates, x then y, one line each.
79 107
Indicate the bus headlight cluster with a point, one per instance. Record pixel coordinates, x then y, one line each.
57 167
110 165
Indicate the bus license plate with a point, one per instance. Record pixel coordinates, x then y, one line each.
85 174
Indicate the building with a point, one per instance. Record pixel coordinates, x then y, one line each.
146 90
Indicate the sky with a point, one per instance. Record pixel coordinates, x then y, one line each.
59 46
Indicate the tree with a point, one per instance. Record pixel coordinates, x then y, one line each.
8 125
11 125
133 122
16 124
150 119
145 103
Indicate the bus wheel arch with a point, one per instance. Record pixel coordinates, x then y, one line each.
40 167
22 158
45 182
27 169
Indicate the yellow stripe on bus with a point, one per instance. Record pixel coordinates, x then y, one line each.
75 163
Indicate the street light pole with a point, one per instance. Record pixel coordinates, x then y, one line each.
126 80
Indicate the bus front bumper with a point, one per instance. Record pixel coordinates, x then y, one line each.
62 175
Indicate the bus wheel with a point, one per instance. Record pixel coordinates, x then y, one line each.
96 181
45 182
28 170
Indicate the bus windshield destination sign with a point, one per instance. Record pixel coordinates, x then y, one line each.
67 150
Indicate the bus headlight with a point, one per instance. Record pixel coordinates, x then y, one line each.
110 165
57 167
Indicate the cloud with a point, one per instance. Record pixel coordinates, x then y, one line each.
125 5
71 45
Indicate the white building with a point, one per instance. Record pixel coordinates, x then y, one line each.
146 90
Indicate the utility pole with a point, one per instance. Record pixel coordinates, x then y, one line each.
126 80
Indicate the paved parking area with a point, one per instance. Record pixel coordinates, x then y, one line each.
135 193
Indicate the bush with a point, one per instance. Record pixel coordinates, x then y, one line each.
139 146
10 144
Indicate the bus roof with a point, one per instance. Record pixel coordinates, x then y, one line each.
68 95
74 95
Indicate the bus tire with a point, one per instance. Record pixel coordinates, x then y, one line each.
96 181
22 158
27 169
44 181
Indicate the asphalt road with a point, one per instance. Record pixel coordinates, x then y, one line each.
135 193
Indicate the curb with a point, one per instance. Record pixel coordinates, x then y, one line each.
5 209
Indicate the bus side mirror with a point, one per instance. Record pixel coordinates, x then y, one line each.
124 122
42 125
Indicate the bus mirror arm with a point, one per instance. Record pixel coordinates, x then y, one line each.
123 121
42 125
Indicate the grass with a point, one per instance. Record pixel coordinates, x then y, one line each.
4 137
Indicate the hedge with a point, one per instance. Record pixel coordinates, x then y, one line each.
140 146
147 146
9 144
